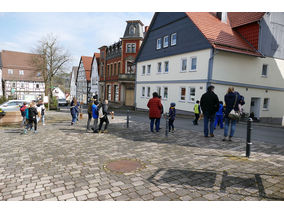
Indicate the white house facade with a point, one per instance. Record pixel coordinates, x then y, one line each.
73 82
181 62
95 76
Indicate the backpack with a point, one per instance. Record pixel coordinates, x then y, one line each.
23 110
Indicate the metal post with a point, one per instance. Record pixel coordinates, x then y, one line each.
127 120
167 124
248 145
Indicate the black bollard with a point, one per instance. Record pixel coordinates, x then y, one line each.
248 146
127 119
167 125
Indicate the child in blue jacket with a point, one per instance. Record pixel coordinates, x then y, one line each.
219 116
172 117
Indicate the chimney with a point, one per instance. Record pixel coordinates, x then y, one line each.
146 28
222 16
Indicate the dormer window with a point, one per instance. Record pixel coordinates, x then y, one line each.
132 30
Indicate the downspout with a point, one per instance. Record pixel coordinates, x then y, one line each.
135 87
213 52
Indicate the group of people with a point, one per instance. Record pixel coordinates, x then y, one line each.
32 113
96 111
213 111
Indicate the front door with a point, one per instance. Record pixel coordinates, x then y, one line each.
129 97
255 107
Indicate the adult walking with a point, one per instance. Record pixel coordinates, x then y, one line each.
104 118
209 105
33 116
90 113
232 100
74 110
155 107
95 114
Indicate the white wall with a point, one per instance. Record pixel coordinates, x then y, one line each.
73 86
1 90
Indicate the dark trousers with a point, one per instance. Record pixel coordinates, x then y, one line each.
208 118
95 126
157 124
102 120
89 120
195 122
31 122
171 124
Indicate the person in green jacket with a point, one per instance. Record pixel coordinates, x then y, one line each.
197 112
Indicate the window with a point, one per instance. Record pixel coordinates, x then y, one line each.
159 43
166 41
143 70
191 97
159 67
115 92
108 92
37 86
133 48
264 70
193 64
21 72
38 74
166 66
159 90
131 30
143 91
148 92
10 71
128 49
182 93
148 69
173 39
111 74
265 103
22 85
118 68
114 69
107 70
183 65
165 93
13 84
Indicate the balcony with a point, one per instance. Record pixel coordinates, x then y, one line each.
126 77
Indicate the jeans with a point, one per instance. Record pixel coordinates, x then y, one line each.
42 119
195 122
31 122
219 118
95 127
208 117
74 118
89 120
157 124
171 124
102 120
233 127
24 121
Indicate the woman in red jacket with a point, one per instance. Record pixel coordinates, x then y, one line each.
155 108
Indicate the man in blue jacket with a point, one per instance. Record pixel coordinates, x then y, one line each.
95 113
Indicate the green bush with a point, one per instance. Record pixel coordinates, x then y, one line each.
53 103
3 99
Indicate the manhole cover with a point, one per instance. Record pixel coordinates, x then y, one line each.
124 165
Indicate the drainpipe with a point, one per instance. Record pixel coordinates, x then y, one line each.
213 52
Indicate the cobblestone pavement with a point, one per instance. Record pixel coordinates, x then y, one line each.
63 162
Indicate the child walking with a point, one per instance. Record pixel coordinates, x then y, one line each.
197 112
172 117
219 116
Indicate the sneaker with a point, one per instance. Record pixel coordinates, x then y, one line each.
25 131
173 131
35 132
100 131
230 138
225 139
212 135
105 131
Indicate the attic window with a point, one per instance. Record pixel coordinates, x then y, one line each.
131 30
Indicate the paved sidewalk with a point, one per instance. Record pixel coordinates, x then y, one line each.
63 162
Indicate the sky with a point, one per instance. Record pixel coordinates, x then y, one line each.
80 33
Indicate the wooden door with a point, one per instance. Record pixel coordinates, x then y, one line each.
129 97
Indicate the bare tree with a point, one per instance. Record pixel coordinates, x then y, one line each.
50 59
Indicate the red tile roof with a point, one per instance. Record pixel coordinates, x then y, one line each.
241 18
221 35
87 62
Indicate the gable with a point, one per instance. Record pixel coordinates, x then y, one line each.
189 38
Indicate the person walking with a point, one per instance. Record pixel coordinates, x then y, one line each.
23 113
172 117
155 107
74 111
90 113
104 118
209 105
232 100
197 112
219 116
41 110
33 116
95 114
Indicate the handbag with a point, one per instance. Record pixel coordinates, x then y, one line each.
234 115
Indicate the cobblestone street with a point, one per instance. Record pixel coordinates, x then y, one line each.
63 162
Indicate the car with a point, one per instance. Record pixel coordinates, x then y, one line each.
12 105
62 102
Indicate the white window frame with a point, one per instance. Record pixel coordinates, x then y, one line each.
149 70
159 68
164 45
262 75
148 92
133 48
10 71
165 67
181 70
268 102
143 92
163 94
143 70
190 69
159 90
180 96
189 94
159 44
21 72
130 47
173 44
